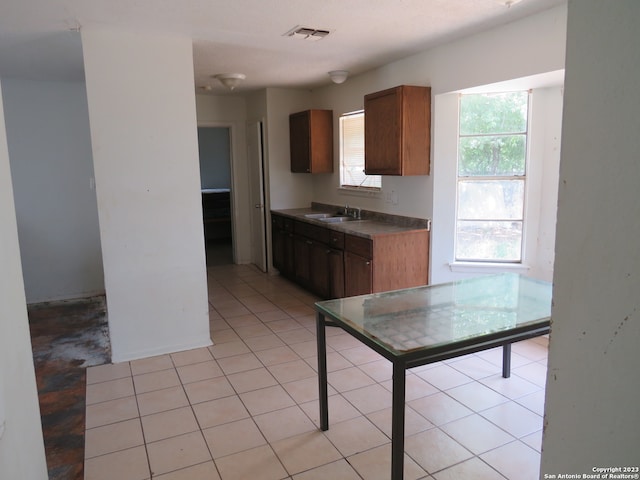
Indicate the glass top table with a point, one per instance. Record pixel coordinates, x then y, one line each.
421 325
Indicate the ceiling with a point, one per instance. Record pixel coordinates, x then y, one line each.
40 39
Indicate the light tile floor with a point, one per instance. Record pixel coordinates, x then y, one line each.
246 407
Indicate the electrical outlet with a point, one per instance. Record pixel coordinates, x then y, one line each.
392 197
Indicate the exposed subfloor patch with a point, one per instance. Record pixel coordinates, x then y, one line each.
66 337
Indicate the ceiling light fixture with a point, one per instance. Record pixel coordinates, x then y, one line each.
230 80
338 76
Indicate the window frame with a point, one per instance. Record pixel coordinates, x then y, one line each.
497 178
376 179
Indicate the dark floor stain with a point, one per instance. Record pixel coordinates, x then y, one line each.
66 338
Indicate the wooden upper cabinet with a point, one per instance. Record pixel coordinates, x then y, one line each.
397 131
311 141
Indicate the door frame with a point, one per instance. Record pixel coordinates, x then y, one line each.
259 127
234 187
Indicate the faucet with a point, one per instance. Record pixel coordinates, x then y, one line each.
351 212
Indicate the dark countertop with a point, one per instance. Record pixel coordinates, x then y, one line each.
372 223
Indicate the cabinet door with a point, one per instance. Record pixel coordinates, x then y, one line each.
311 141
382 131
282 244
277 248
358 275
336 273
397 131
319 269
289 260
300 141
301 256
321 142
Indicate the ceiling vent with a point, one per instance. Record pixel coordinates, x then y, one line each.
307 33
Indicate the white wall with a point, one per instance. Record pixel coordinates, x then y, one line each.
413 195
548 128
257 112
214 145
520 49
286 189
143 131
523 48
21 443
592 417
231 111
52 171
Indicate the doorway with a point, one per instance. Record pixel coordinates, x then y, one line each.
214 144
255 153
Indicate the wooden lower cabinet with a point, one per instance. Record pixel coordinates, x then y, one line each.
336 273
404 260
358 275
319 267
301 259
386 262
333 264
282 244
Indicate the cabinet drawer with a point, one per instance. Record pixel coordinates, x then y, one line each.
307 230
282 223
359 246
335 239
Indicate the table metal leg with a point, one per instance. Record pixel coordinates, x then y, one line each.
506 360
322 371
397 421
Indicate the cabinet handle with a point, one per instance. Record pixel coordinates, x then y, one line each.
309 242
367 263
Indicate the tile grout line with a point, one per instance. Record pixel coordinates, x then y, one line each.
295 403
306 360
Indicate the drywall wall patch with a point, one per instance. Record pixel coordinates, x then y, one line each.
2 419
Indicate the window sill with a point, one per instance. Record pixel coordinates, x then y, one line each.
359 192
487 267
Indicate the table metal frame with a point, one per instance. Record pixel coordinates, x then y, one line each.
403 361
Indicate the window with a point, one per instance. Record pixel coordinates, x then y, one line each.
492 159
352 154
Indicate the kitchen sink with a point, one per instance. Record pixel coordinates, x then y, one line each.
337 219
331 217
